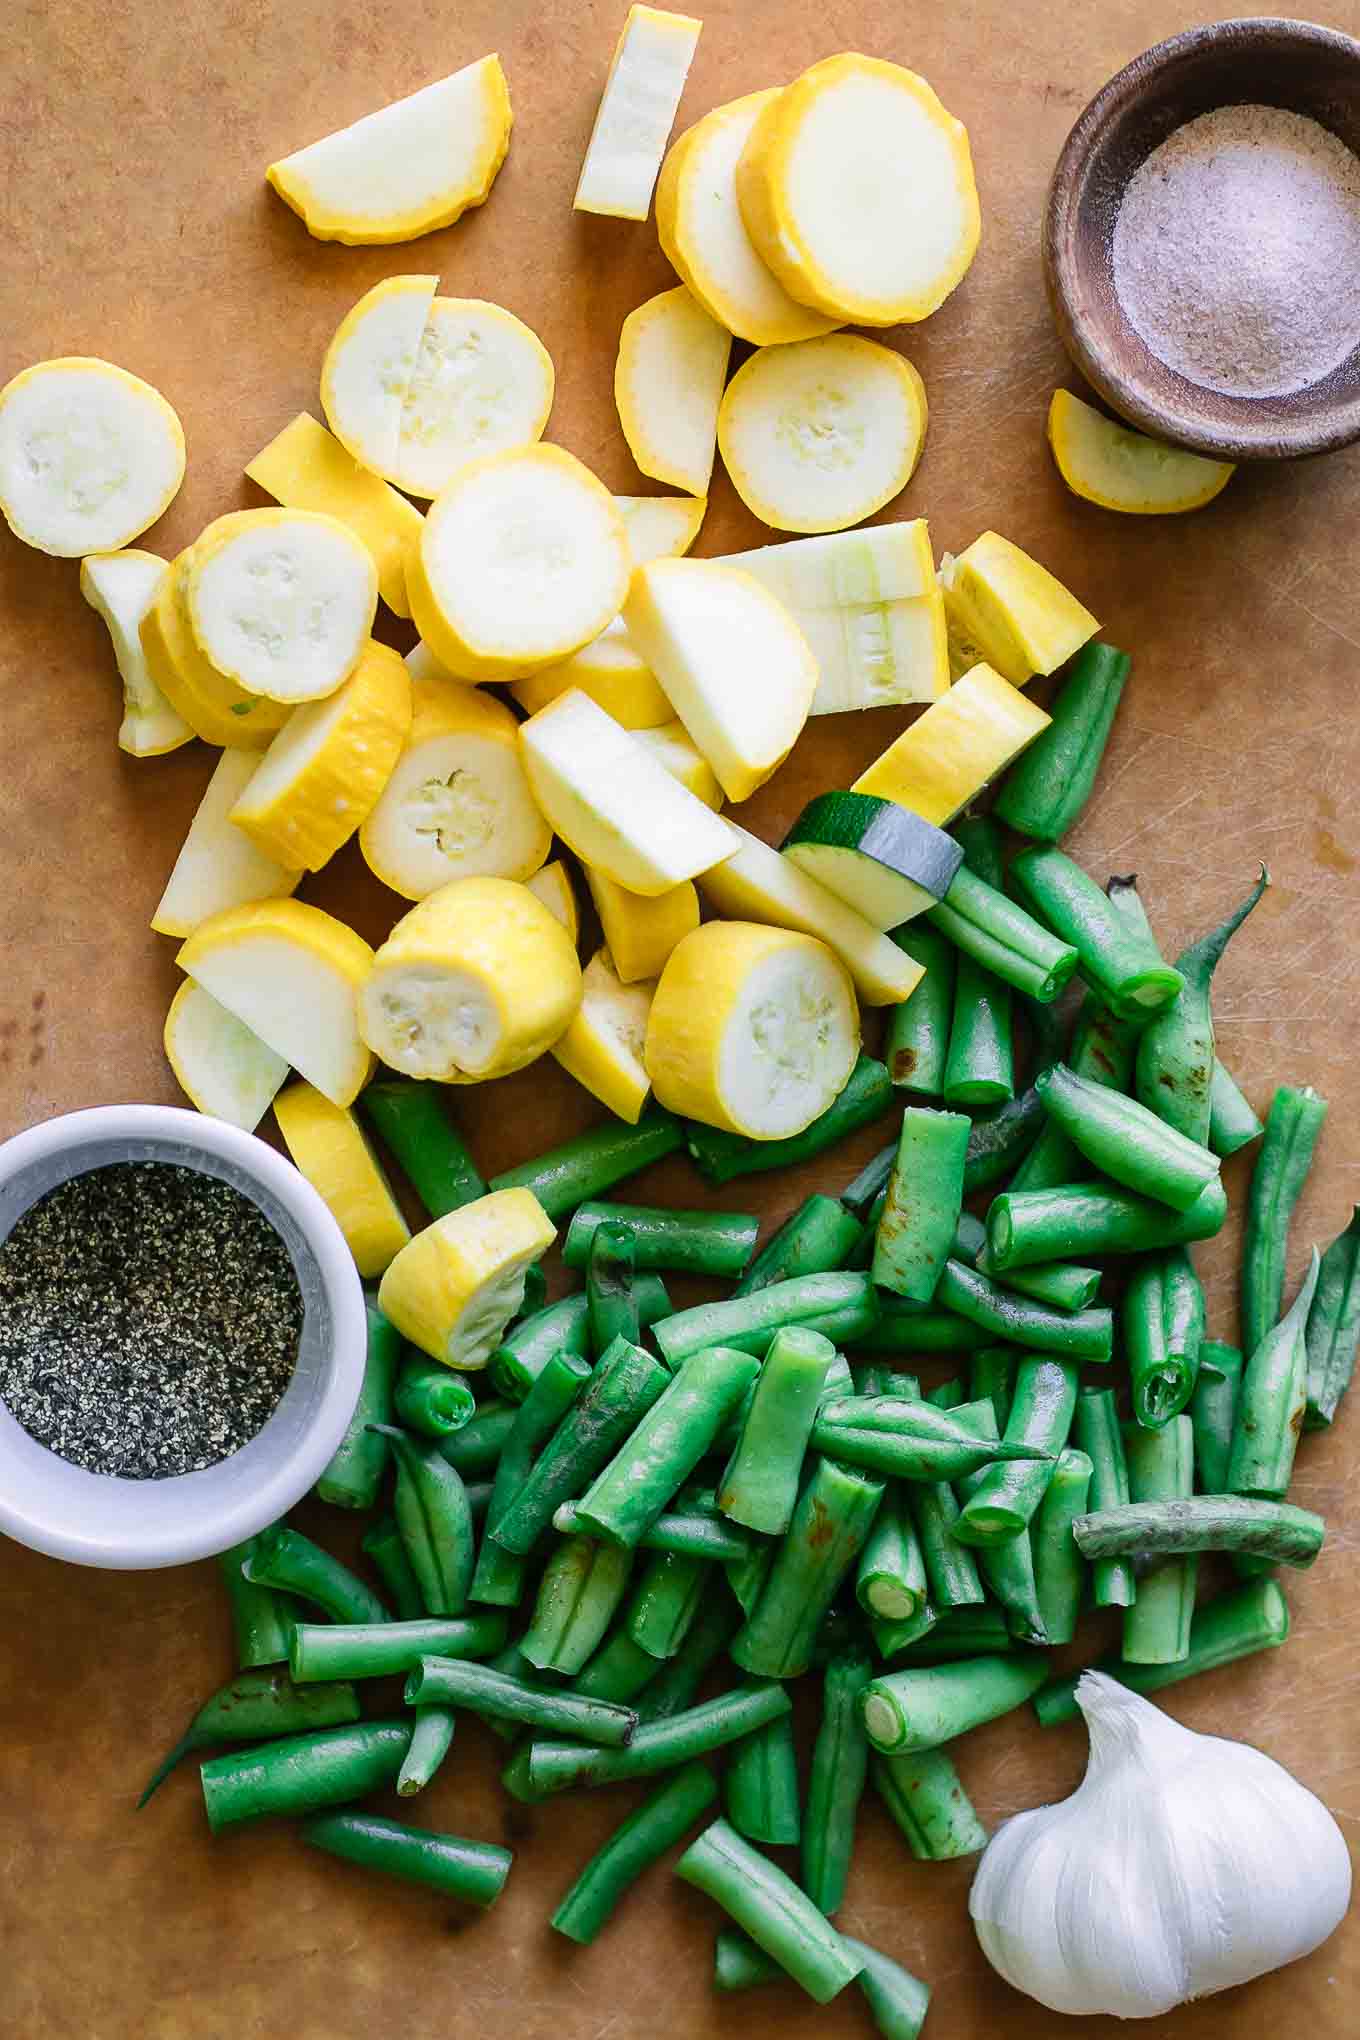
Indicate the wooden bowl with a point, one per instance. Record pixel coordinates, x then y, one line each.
1294 64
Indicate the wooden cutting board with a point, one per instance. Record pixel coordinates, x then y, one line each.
137 225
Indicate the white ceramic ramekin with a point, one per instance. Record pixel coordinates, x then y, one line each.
94 1519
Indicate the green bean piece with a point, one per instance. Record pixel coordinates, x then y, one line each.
830 1523
861 1254
980 1067
354 1475
948 1395
302 1773
722 1157
769 1907
630 1492
611 1279
430 1398
665 1815
1163 1319
618 1395
261 1619
840 1757
1234 1625
285 1559
431 1508
579 1593
749 1322
450 1682
1232 1122
431 1741
513 1663
991 1378
891 1580
924 1198
1333 1326
619 1671
925 1797
1102 1051
718 1243
1176 1053
891 1638
696 1530
1019 1321
564 1327
1292 1129
913 1440
1059 1568
1062 1284
1272 1401
871 1182
478 1446
760 1786
967 1631
921 1708
409 1119
474 1872
499 1575
382 1542
1272 1530
658 1744
666 1601
916 1044
951 1569
515 1775
746 1577
991 929
1101 1437
1046 789
372 1650
594 1162
897 2000
760 1485
535 1294
1006 1562
1129 1144
905 1326
1213 1412
1006 1497
1121 963
672 1688
478 1494
1001 1139
262 1701
739 1965
1024 1227
813 1241
1161 1469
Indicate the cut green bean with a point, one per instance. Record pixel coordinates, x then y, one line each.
1001 1139
1120 963
579 1592
1101 1437
474 1872
868 1186
815 1240
302 1773
967 1631
840 1758
449 1682
951 1569
1019 1321
1059 1568
903 1326
756 1318
769 1907
673 1435
1006 1497
891 1579
1176 1053
1232 1122
1273 1530
916 1044
1126 1142
949 1395
924 1198
718 1243
431 1741
354 1475
923 1707
991 929
477 1447
991 1378
611 1288
697 1531
760 1786
908 1440
1046 789
1163 1320
1102 1051
261 1619
760 1485
284 1558
1161 1469
535 1294
1234 1625
1282 1166
1062 1284
371 1650
672 1688
925 1798
1213 1412
890 1639
746 1577
1333 1326
431 1508
897 2000
666 1602
1024 1227
1272 1401
430 1398
830 1523
662 1819
739 1965
980 1066
619 1671
1006 1562
564 1327
658 1744
721 1157
260 1702
410 1119
594 1162
382 1542
499 1576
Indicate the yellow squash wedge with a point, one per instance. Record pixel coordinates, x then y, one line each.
641 933
455 1288
962 742
1006 611
1120 469
603 1046
668 384
332 1151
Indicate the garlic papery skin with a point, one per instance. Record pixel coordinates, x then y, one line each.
1182 1864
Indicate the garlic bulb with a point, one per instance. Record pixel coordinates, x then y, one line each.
1182 1864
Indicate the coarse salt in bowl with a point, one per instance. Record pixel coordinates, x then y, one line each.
102 1520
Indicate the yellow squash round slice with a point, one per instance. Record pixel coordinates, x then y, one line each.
475 982
455 1288
120 587
223 1068
1120 469
369 364
215 708
281 601
856 186
603 1046
668 383
331 1150
292 974
482 383
523 560
408 168
457 803
325 769
553 886
819 435
612 671
89 456
305 468
218 865
641 933
752 1029
703 235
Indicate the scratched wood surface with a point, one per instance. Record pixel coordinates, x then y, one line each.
134 223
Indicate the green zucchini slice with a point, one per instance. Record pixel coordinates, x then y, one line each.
878 857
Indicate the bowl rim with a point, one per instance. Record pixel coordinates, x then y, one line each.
1278 439
206 1535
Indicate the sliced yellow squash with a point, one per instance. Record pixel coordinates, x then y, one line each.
964 740
612 672
332 1151
305 468
120 587
89 456
641 933
668 384
223 1068
1008 612
553 886
215 708
281 601
647 75
369 364
455 1288
1120 469
218 865
603 1046
671 746
660 527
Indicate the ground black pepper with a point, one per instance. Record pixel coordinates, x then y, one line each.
149 1320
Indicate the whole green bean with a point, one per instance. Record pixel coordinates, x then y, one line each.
284 1558
450 1682
478 1446
1120 963
716 1243
431 1508
1004 1500
1175 1065
667 1601
739 1965
971 1630
1098 1218
611 1288
1232 1122
721 1157
619 1671
756 1318
1274 1530
354 1475
936 1419
371 1650
1101 1438
991 1378
430 1398
916 1043
1129 1144
760 1485
664 1816
431 1741
593 1162
472 1871
1163 1320
1333 1326
769 1907
897 2000
1213 1413
903 1326
674 1434
697 1531
925 1798
1102 1050
262 1701
1282 1166
261 1619
830 1523
891 1579
813 1241
1059 1569
382 1542
302 1773
499 1575
579 1591
840 1758
923 1201
659 1744
1018 1320
921 1708
1047 788
410 1119
760 1786
1161 1469
1272 1401
1234 1625
991 929
895 1453
671 1689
